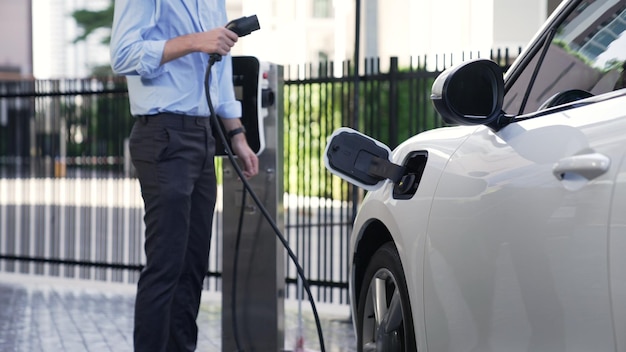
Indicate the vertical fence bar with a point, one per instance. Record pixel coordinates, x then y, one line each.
3 221
27 247
47 230
393 102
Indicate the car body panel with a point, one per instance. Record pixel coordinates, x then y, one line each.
617 255
475 180
517 257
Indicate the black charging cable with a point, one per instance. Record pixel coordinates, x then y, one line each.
233 305
213 58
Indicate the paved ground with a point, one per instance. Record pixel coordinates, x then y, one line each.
50 315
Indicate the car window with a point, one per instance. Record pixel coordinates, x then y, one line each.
586 56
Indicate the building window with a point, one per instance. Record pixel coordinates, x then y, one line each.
607 34
322 8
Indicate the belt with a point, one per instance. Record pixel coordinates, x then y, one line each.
167 118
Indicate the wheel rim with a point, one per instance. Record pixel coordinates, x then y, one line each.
383 322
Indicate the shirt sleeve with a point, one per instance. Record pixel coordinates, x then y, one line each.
131 53
229 106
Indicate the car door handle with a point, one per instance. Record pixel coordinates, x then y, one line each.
588 166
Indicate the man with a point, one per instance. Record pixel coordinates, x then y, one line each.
162 47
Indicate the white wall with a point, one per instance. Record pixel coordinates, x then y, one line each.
289 34
516 22
402 28
406 28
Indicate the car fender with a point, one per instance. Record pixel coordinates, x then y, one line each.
379 208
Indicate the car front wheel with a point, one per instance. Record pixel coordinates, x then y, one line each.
384 313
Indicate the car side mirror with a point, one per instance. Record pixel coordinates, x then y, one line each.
470 94
360 160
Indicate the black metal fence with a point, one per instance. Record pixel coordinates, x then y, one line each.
70 207
391 106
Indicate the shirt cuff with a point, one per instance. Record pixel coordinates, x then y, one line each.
150 66
229 110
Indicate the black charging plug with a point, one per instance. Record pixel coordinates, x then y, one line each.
244 25
361 158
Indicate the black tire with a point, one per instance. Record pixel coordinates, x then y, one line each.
391 329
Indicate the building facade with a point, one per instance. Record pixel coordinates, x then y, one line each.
292 32
16 40
55 54
308 31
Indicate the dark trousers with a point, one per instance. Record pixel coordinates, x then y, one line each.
173 156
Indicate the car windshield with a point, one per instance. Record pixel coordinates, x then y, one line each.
587 52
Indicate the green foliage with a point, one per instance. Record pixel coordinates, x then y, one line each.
90 21
313 110
413 108
102 71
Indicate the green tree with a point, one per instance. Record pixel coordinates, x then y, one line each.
91 21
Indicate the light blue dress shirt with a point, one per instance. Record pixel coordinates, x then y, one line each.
140 30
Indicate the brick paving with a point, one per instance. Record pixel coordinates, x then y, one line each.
39 314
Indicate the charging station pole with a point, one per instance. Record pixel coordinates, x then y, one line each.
260 277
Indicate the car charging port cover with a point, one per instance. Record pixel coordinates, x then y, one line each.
359 159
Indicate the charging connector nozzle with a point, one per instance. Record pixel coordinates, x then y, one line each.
244 25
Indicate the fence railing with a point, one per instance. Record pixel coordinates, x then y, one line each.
70 206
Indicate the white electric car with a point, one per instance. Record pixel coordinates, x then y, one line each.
506 231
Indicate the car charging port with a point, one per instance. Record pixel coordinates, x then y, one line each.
366 162
414 166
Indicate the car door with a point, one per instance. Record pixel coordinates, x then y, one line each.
521 262
521 233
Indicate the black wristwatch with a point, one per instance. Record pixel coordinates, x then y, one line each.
232 133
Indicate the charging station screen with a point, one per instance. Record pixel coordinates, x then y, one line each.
246 82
